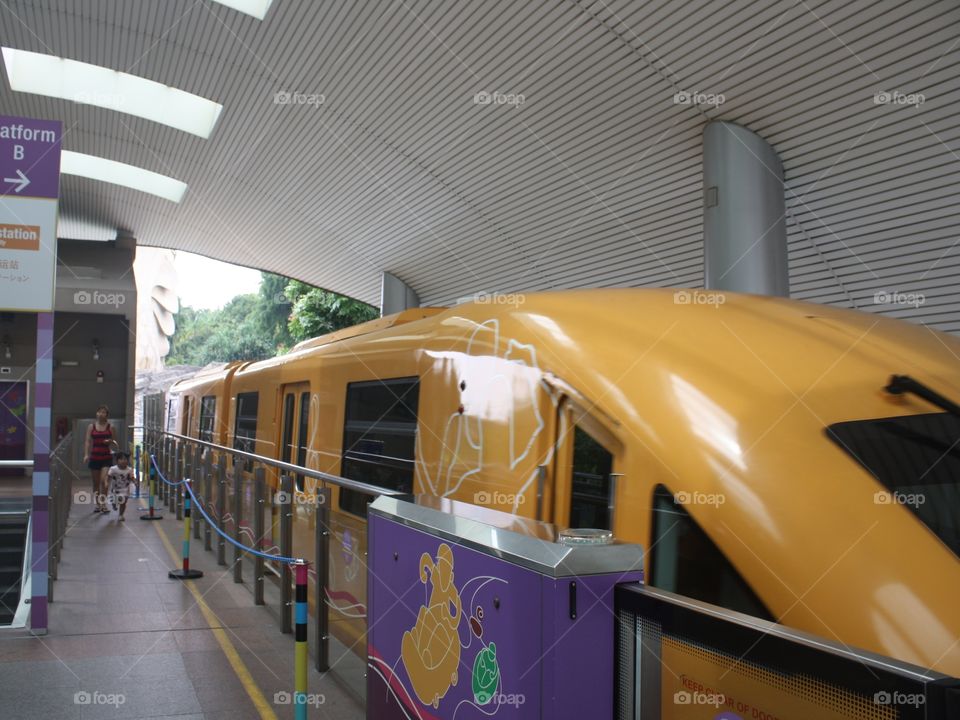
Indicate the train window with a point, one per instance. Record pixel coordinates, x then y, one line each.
245 429
208 412
916 458
685 561
302 435
590 488
379 437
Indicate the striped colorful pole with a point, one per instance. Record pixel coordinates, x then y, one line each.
152 473
185 573
40 541
300 646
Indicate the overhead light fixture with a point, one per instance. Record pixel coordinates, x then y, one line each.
7 354
87 84
111 171
74 227
257 8
96 349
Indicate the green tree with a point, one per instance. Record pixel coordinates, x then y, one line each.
318 312
261 325
231 333
272 313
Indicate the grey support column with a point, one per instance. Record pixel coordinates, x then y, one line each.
396 295
744 226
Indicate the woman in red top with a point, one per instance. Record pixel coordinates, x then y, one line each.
99 456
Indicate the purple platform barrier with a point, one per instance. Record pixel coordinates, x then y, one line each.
475 613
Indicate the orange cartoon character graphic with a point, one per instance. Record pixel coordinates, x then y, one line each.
431 649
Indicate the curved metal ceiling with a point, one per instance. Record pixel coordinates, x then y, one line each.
358 137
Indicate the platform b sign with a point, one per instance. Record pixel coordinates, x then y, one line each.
29 191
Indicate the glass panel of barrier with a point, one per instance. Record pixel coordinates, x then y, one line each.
678 658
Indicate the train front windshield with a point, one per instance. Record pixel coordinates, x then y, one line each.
916 458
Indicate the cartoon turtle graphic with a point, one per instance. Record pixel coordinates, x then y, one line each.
486 674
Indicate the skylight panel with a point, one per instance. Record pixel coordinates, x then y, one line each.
88 84
117 173
256 8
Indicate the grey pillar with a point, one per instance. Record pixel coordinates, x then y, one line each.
744 227
396 295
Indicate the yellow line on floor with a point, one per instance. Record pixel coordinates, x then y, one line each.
246 679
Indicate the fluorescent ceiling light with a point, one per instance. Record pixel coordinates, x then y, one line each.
110 171
87 84
257 8
74 227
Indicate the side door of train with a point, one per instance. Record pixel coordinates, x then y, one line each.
293 430
588 467
380 419
294 426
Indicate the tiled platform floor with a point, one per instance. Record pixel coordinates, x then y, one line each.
120 629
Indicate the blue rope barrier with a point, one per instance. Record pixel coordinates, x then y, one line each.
153 461
221 533
199 506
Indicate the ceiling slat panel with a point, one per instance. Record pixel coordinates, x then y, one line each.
594 180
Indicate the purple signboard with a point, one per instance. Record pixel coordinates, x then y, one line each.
453 632
30 157
29 188
457 634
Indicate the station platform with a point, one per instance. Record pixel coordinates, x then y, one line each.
124 641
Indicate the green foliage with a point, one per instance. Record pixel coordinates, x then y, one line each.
318 312
254 327
273 310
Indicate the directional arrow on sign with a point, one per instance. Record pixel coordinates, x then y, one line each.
21 182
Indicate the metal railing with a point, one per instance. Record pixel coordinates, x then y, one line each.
59 501
233 487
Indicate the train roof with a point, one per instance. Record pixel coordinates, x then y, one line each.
206 375
712 334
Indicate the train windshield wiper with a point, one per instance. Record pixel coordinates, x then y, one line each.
900 384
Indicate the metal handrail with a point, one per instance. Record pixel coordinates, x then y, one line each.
29 463
341 482
64 441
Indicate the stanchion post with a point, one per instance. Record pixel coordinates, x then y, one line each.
259 490
286 549
322 625
136 468
222 509
300 644
186 572
142 470
237 514
151 513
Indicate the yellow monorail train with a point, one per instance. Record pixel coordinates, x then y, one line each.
754 445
